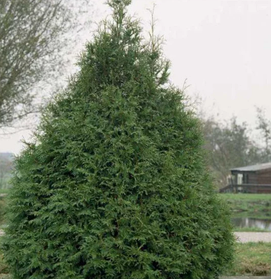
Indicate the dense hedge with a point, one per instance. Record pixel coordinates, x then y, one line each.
115 185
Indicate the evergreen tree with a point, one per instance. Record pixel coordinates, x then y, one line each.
115 185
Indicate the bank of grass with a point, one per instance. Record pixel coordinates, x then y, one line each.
237 229
253 204
246 197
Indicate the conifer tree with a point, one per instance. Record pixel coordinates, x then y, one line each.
115 185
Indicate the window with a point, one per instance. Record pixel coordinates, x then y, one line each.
239 178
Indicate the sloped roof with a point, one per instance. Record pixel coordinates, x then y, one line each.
254 167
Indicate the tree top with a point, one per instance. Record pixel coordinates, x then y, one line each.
119 3
119 6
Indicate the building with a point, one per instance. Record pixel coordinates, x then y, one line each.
250 179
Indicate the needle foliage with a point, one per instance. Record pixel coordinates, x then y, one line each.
115 185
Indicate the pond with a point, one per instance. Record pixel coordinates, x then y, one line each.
247 222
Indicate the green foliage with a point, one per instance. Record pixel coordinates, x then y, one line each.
115 185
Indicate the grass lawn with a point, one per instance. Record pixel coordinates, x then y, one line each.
251 259
246 197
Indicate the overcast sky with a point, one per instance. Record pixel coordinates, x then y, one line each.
221 48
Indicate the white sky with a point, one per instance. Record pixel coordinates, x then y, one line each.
221 47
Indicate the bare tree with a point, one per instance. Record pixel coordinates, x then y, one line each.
32 34
264 126
6 166
228 145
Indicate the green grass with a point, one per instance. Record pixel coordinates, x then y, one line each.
251 259
254 205
246 197
237 229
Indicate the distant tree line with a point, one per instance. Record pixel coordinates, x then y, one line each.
6 166
230 144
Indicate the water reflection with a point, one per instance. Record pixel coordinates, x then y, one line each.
252 223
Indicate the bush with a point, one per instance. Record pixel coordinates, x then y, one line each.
115 185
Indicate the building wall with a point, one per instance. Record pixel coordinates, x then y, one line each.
264 177
248 177
252 178
253 182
